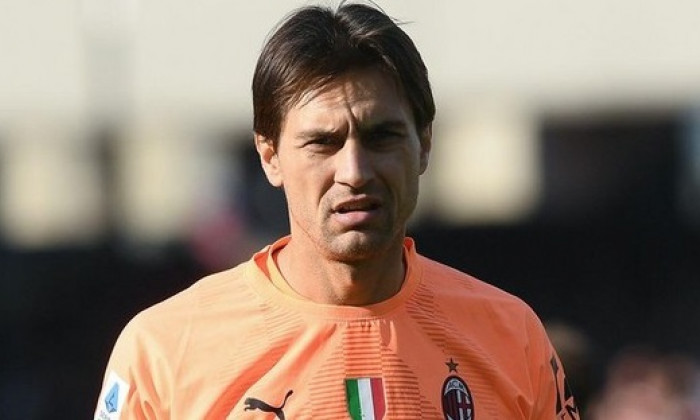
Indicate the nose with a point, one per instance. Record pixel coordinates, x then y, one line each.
353 164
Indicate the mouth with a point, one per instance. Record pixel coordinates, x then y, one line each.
357 213
356 205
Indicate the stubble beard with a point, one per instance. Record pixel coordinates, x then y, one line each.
365 243
359 245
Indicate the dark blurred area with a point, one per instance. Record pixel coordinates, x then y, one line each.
612 256
609 260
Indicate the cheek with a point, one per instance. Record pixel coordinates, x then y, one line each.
304 189
402 171
404 179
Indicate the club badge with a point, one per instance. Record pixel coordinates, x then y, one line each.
457 401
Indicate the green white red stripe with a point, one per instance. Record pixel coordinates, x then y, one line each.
365 398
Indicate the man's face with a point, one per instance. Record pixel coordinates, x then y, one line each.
349 158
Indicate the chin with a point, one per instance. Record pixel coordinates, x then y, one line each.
358 246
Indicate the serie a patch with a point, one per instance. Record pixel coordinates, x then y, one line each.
112 398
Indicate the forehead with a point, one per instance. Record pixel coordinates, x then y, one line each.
365 94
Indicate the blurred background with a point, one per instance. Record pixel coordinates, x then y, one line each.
565 170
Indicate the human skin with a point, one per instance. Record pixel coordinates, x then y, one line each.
349 158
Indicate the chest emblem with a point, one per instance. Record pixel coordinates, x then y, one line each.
365 398
457 401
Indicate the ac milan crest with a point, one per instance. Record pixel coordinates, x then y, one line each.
457 401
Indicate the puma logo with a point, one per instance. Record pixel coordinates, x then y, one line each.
256 404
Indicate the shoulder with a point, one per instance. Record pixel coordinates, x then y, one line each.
171 321
449 281
184 330
498 320
463 296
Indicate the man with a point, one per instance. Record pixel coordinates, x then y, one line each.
342 318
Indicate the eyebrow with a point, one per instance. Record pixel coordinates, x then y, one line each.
315 133
385 125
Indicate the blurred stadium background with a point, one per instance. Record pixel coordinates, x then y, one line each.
566 170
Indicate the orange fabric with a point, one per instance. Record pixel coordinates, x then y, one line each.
234 340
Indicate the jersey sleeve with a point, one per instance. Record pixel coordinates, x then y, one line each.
135 382
555 399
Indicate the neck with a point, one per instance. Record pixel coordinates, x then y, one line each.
356 283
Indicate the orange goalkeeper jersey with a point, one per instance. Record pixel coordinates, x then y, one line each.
241 344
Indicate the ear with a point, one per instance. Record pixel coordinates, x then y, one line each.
269 159
426 142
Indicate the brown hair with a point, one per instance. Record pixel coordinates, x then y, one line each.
315 44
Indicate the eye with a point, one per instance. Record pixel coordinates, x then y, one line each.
322 141
383 137
388 134
322 144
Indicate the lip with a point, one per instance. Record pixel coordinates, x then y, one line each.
356 211
360 203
